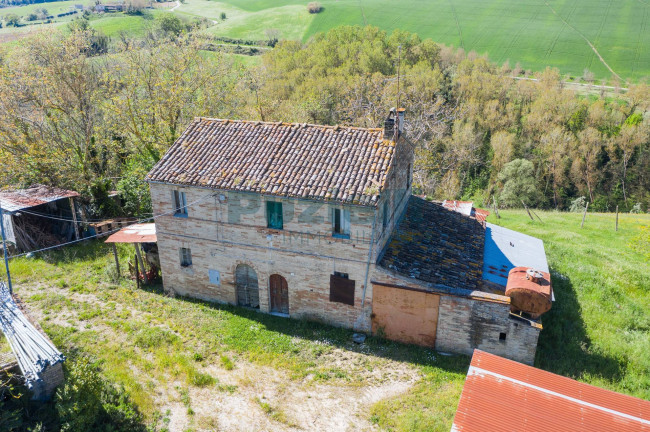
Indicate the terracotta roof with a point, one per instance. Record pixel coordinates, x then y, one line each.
436 245
343 164
503 395
32 196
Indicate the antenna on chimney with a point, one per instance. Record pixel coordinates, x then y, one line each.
399 64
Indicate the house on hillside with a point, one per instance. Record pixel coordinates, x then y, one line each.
318 222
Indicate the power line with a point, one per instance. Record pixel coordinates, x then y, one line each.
61 218
112 231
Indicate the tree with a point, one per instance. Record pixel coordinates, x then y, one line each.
171 25
518 183
503 147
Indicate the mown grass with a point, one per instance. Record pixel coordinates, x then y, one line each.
596 332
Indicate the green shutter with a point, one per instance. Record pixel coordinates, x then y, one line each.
274 215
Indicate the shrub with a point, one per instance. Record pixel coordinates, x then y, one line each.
32 17
578 205
223 16
88 402
314 7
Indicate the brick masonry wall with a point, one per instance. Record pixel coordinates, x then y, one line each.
465 324
305 253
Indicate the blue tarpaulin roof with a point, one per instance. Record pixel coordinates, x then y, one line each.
505 249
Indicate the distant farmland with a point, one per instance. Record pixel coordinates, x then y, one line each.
535 33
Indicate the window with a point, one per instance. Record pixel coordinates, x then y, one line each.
180 204
186 257
341 288
341 223
274 215
502 337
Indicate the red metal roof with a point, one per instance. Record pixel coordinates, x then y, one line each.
33 196
137 233
503 395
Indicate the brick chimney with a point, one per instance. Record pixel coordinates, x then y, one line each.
389 125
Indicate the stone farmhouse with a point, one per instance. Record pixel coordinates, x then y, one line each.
318 222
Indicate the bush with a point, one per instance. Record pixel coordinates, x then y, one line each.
88 402
223 16
32 17
578 205
314 7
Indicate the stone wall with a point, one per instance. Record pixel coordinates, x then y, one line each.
465 324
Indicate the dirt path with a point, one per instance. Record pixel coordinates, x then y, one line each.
586 40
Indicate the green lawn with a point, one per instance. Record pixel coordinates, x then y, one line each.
165 350
524 31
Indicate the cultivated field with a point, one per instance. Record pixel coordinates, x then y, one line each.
206 367
610 39
570 35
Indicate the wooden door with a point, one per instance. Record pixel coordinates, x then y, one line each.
248 293
405 315
279 294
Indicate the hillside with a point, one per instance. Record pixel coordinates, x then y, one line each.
554 33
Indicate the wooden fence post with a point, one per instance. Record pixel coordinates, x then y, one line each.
584 215
616 218
137 273
526 207
494 204
117 261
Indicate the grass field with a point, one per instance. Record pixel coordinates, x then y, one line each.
537 34
196 363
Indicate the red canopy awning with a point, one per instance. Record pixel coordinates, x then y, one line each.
137 233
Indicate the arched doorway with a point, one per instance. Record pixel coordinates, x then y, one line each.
248 292
279 294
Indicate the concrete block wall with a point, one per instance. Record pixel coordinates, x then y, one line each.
50 379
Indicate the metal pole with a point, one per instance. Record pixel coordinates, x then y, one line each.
4 248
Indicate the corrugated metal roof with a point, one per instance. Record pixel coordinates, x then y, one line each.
506 249
137 233
12 201
331 163
503 395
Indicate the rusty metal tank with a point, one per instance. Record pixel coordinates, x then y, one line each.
529 291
